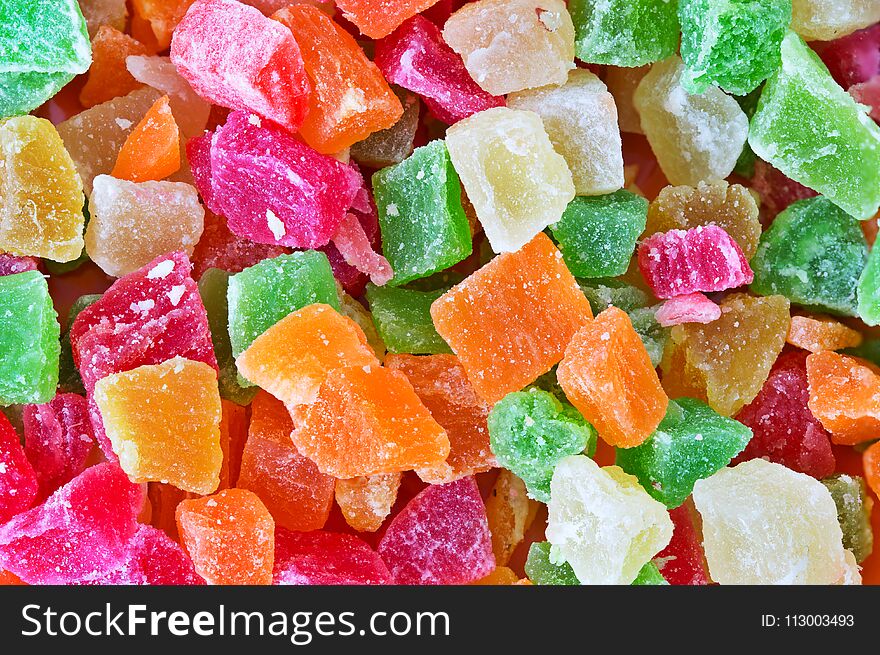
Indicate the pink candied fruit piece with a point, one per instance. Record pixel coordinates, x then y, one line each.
151 558
326 558
784 430
704 258
868 93
79 531
682 561
275 189
354 245
58 440
854 58
198 152
218 247
440 537
776 191
690 308
18 482
12 264
416 57
233 56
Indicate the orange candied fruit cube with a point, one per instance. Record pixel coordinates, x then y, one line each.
366 502
233 434
818 333
442 384
509 322
608 376
378 18
152 150
108 76
502 575
297 494
291 359
161 16
229 536
844 396
369 420
350 98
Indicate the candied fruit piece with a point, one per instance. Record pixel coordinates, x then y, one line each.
161 17
854 58
844 396
602 522
18 482
218 248
825 20
622 83
366 501
868 289
103 12
818 333
394 144
608 376
378 18
766 524
853 513
440 537
682 562
152 150
510 513
108 76
326 558
510 322
403 319
542 570
690 308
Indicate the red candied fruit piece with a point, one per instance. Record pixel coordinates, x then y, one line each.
12 264
58 440
440 537
784 430
220 248
776 191
682 561
681 262
326 558
235 57
854 58
417 58
152 558
81 529
18 482
198 152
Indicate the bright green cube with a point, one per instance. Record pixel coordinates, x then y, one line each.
814 132
541 571
692 442
29 340
597 234
403 319
733 44
624 32
424 227
649 576
853 512
813 254
43 45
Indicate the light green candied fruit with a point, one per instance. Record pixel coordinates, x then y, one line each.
213 287
731 43
43 45
853 513
403 319
29 340
530 431
813 254
868 290
263 294
626 33
816 134
649 576
541 571
597 234
424 227
691 443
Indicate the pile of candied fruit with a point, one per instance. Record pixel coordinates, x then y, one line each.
439 292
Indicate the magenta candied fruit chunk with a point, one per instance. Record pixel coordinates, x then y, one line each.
326 558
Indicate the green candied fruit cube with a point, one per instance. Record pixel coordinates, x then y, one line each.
692 442
29 340
624 32
814 132
43 45
597 234
263 294
424 227
868 290
649 576
530 431
213 287
542 571
603 293
653 335
813 254
403 319
69 380
853 512
733 44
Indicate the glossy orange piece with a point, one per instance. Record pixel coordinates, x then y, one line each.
233 435
502 575
871 463
378 18
152 150
818 333
297 494
291 359
8 579
162 16
229 536
608 376
845 396
442 384
108 77
350 98
509 322
366 502
368 420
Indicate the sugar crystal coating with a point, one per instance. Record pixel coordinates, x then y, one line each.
689 308
844 396
378 18
403 319
817 333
